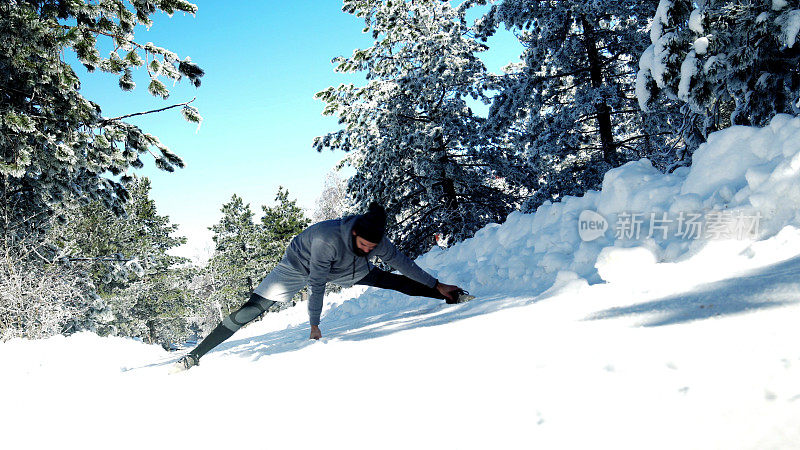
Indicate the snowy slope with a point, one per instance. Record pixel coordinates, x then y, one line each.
676 340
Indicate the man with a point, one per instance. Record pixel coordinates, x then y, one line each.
333 251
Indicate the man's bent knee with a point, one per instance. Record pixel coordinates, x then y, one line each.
254 307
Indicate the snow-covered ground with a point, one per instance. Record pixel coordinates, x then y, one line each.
670 320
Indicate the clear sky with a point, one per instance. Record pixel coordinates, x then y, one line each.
264 61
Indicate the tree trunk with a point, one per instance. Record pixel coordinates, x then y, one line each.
151 329
448 185
601 107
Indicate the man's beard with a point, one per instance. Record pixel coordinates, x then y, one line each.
357 250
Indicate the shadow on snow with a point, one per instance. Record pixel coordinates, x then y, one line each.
359 327
768 287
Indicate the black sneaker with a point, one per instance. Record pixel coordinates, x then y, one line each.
185 363
462 296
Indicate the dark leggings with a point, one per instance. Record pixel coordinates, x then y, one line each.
401 283
258 305
237 319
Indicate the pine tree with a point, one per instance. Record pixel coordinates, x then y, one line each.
119 250
728 61
233 261
279 224
56 147
158 308
246 251
129 264
418 146
570 105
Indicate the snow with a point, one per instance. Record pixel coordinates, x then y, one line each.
696 21
790 26
700 45
655 63
778 5
660 54
625 340
688 70
643 76
660 19
713 63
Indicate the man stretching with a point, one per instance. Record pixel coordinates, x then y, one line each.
332 251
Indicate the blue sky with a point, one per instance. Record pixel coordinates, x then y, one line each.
264 61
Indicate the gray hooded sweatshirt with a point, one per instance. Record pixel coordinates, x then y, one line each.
324 252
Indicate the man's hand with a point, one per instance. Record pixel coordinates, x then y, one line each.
448 290
315 333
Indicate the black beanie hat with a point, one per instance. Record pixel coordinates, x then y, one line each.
372 224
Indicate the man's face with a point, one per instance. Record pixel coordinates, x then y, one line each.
362 246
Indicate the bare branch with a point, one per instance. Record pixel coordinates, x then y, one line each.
107 121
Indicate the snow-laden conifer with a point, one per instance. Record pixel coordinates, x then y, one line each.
570 105
729 61
417 145
56 147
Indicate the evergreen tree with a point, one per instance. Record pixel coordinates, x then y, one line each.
570 105
418 146
158 308
233 263
129 264
728 61
279 224
56 147
119 250
246 251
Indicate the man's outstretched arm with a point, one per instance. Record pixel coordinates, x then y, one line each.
319 268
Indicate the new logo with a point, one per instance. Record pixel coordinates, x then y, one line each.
591 225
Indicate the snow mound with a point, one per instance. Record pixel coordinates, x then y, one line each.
743 185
